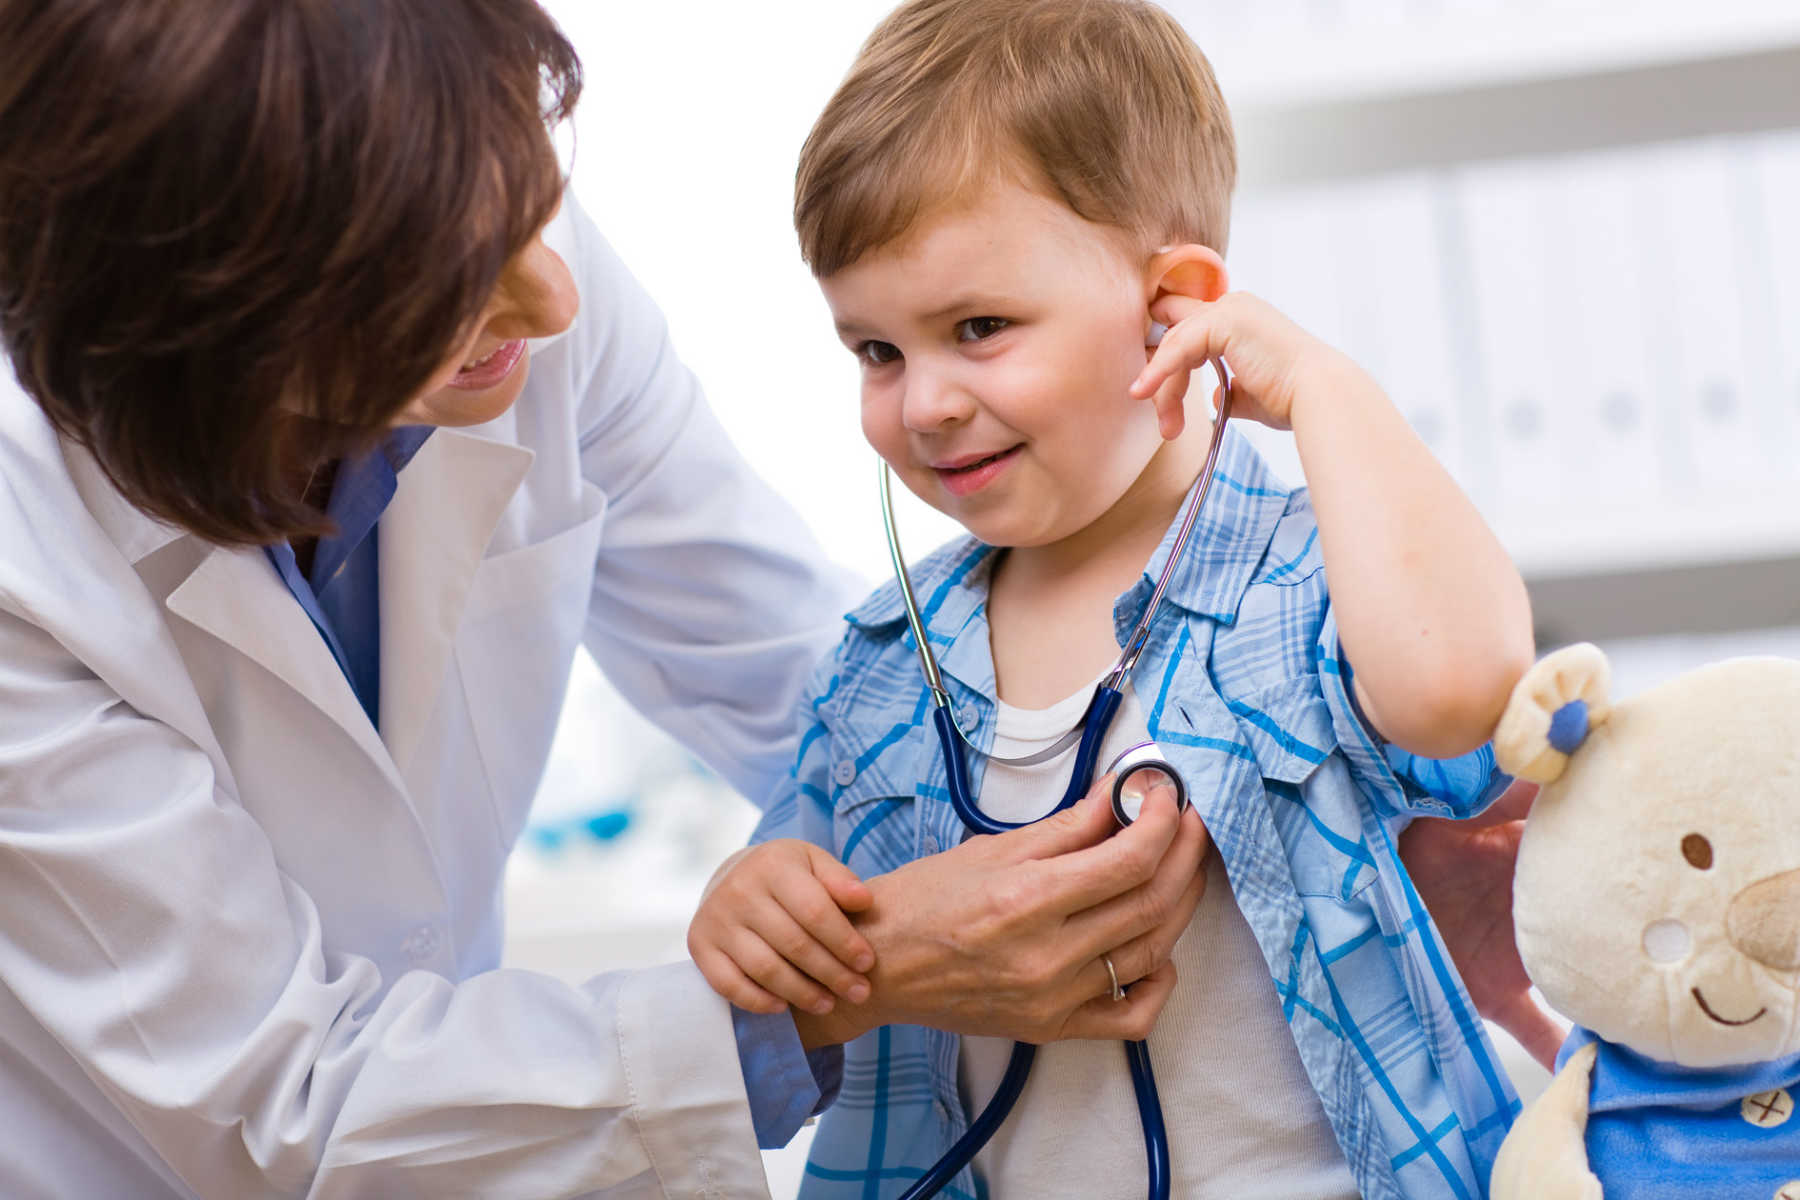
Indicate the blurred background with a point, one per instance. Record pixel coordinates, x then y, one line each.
1564 234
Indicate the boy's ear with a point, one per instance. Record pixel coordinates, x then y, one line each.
1190 270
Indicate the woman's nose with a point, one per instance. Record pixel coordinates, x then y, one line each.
1764 921
536 297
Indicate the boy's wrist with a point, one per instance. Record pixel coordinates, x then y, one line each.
1327 376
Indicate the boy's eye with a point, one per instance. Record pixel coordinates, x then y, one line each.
977 329
877 354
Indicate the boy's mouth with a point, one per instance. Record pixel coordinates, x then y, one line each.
966 476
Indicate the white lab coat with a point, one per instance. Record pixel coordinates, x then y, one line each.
248 946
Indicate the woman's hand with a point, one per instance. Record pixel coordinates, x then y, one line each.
1463 870
1004 935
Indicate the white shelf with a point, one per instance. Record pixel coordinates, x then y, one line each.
1521 43
1531 80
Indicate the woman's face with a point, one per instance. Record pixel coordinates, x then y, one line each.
535 298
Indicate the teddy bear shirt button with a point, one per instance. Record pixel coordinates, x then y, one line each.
1766 1110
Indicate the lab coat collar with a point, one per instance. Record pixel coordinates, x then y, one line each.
448 502
433 535
135 533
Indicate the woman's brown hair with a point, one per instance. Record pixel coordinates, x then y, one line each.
236 238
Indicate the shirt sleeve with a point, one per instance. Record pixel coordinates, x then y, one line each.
786 1084
712 599
1401 782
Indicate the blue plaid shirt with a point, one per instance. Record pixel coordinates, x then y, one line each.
1245 689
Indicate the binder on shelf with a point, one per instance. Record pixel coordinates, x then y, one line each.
1698 195
1598 348
1501 211
1394 297
1283 250
1776 166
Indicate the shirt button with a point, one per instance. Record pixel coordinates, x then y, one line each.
930 844
1766 1110
1789 1190
844 773
969 717
421 944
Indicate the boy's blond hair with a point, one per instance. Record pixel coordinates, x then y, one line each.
1104 105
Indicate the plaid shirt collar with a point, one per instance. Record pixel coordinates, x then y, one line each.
1230 537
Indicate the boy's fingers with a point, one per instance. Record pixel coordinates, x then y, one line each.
824 943
848 891
1171 405
731 983
769 970
797 939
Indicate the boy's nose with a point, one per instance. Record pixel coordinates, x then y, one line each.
933 402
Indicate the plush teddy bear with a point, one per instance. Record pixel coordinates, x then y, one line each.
1657 905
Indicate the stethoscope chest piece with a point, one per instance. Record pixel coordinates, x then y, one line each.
1136 773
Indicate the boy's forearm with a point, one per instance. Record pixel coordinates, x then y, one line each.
1431 612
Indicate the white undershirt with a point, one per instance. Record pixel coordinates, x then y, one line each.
1244 1122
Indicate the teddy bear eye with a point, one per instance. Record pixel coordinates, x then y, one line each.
1697 850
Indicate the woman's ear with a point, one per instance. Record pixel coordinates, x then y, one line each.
1190 270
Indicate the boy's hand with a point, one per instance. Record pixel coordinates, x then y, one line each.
1270 358
771 929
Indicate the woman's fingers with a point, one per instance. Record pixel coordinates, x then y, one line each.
1087 824
1142 955
1076 880
1130 1019
1159 907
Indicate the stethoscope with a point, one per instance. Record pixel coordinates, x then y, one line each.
1134 772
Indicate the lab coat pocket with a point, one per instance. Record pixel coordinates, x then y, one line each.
525 615
1307 785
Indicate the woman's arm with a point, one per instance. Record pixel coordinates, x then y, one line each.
192 1001
713 600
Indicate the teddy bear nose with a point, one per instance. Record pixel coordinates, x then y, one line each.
1764 921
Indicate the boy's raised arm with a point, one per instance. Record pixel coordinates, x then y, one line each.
1432 613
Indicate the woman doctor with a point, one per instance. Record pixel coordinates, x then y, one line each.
324 443
293 563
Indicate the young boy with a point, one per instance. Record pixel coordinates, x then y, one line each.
1000 202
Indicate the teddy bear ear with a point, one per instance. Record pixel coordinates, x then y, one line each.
1551 711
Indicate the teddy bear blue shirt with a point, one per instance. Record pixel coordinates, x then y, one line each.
1657 1131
